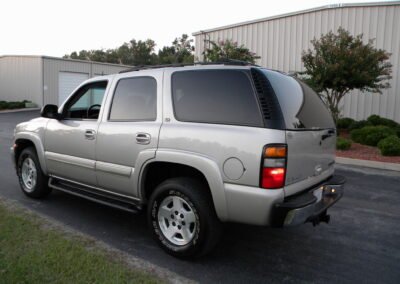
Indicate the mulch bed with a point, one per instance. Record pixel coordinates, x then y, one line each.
364 152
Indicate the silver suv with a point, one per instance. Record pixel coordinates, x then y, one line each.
196 145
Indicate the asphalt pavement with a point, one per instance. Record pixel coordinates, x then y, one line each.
360 245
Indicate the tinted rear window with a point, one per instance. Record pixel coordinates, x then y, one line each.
135 99
301 106
215 96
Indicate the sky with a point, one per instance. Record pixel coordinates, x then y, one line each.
59 27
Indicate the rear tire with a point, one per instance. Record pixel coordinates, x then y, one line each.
182 218
30 176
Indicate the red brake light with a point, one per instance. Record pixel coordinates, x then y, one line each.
273 178
273 166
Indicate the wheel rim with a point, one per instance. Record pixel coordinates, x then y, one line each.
29 174
177 220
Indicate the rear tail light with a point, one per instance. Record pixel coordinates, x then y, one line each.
273 166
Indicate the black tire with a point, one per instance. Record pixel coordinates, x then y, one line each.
208 227
40 187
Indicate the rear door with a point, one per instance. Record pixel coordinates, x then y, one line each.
128 133
310 132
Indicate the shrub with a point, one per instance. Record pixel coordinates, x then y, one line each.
344 123
377 120
359 124
343 143
390 146
371 135
3 105
374 119
12 105
397 129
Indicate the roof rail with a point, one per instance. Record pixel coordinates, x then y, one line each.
233 62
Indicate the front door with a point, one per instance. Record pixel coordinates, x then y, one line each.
70 141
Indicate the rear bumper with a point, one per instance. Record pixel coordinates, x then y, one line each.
310 206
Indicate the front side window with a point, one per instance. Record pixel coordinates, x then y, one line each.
86 102
135 99
215 96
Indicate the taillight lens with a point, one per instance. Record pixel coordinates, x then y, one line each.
273 167
273 178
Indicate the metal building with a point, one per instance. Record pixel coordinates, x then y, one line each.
46 80
280 41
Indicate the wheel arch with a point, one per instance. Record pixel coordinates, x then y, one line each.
184 164
24 140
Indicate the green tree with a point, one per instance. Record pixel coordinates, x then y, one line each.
138 52
228 49
181 51
340 62
142 52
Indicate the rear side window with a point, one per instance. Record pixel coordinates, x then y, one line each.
314 113
135 99
215 96
301 106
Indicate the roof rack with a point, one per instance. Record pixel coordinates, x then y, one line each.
233 62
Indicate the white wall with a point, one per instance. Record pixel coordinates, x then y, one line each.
21 79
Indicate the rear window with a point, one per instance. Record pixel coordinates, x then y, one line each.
302 108
215 96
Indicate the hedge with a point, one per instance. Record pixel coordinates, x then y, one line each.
343 143
371 135
344 123
390 146
12 105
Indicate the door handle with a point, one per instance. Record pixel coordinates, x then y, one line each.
330 133
143 138
90 134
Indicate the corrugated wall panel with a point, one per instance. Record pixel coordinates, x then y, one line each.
53 66
51 69
21 79
280 42
396 66
105 69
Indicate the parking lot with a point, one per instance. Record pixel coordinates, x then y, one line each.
361 244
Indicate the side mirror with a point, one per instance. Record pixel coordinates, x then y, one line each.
50 111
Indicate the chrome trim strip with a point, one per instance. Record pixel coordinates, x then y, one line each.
96 188
114 169
70 160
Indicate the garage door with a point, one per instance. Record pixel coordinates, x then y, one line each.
67 82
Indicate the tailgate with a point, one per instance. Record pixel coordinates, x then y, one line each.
310 133
310 155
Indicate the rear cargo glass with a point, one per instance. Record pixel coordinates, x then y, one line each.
301 106
216 96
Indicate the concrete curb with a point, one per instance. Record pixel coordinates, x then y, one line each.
368 164
19 110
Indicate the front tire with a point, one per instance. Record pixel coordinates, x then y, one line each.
30 176
182 218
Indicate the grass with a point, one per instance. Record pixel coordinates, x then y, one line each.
31 252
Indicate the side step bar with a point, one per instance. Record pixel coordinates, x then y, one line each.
98 196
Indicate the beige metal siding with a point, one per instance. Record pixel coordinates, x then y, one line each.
53 66
103 69
21 79
280 42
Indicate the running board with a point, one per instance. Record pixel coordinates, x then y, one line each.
98 196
